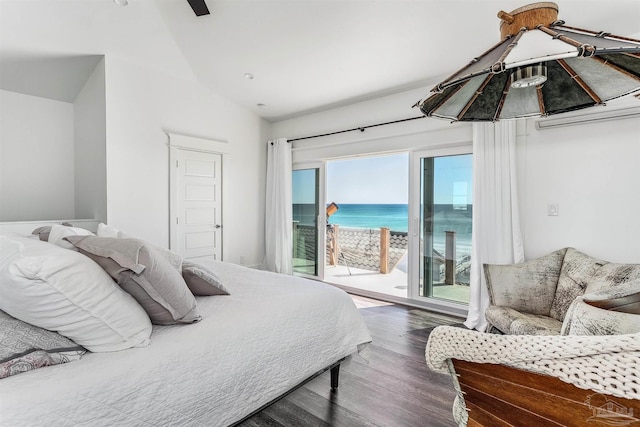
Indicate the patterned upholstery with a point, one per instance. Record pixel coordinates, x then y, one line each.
528 286
613 311
519 323
532 298
584 274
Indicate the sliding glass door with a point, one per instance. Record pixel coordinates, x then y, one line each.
308 220
437 243
442 224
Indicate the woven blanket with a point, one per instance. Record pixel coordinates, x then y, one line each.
606 364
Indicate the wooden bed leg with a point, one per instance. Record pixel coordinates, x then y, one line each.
335 373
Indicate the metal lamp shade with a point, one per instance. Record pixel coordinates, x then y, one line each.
576 69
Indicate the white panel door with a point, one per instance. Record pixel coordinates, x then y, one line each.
197 179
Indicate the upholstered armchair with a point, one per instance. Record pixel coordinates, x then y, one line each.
532 298
590 373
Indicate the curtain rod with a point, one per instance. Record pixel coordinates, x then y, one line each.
361 128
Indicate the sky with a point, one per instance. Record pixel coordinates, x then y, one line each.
453 177
304 183
384 180
376 180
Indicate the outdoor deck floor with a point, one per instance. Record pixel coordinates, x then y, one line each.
393 283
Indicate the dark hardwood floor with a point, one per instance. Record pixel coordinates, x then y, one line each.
395 389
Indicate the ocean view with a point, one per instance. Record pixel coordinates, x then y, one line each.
371 216
358 216
358 222
394 216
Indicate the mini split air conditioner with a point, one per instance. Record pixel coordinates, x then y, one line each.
580 119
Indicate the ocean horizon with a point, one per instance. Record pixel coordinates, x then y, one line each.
393 216
352 215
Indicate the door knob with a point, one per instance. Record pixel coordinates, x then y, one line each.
218 226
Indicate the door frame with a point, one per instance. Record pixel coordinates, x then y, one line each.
414 229
321 219
177 143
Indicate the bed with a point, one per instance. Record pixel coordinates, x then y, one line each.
270 334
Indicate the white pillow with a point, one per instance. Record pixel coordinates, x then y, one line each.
590 320
66 292
105 230
612 311
59 232
9 251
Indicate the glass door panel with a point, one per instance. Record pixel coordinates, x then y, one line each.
306 203
367 230
446 206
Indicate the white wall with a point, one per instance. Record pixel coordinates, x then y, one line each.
409 135
142 105
36 158
90 148
592 171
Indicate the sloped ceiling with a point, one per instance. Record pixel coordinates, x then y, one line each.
304 55
49 48
59 77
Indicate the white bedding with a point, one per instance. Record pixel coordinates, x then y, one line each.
271 333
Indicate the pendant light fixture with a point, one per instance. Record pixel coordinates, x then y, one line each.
540 67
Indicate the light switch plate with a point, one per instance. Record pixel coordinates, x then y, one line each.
553 209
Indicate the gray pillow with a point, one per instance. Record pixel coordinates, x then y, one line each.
173 258
201 281
528 287
145 274
24 347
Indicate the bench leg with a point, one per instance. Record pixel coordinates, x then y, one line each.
335 373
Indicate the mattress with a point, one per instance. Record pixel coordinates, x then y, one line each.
272 332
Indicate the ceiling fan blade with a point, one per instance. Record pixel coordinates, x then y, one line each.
199 7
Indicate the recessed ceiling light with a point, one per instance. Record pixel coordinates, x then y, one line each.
261 105
121 2
248 76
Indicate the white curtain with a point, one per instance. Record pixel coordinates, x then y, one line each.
278 210
496 237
